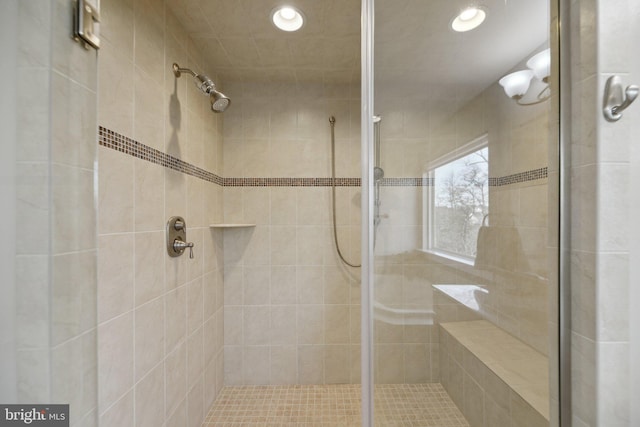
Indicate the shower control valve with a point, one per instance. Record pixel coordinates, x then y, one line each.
179 246
177 237
179 224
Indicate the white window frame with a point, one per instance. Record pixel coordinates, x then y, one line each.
428 197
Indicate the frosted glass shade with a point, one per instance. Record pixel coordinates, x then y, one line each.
540 64
516 84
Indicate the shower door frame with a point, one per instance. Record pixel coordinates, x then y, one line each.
367 262
564 214
563 356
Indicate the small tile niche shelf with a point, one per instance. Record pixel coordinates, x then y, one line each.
231 225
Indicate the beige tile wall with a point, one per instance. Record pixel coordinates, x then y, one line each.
634 256
292 313
160 319
602 223
482 381
406 346
415 131
56 253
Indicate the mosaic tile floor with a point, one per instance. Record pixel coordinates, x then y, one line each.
426 405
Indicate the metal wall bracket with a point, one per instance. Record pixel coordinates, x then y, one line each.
86 18
617 100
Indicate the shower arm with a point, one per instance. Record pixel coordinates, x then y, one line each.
177 71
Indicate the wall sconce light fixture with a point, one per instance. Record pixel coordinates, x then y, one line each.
540 64
517 84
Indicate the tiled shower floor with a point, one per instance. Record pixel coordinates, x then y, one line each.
333 405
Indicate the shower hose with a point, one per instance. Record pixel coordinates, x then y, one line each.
332 121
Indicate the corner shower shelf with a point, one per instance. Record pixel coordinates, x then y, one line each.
231 225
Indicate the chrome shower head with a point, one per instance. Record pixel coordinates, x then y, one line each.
219 101
204 83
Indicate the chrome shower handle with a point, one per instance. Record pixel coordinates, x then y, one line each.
616 100
179 246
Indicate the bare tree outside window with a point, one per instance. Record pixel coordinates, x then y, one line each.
460 202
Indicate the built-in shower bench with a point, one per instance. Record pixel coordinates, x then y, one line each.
495 379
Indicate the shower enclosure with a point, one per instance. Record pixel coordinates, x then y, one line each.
461 235
450 203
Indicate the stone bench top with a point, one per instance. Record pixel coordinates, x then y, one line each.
522 368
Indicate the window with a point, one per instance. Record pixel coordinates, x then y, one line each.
457 202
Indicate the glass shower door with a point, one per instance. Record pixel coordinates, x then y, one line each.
462 182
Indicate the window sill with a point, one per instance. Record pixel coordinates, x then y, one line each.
449 256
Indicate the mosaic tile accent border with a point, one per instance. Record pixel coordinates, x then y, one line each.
407 182
118 142
322 182
290 182
516 178
110 139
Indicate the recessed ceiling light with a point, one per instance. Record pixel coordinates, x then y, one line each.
287 18
468 19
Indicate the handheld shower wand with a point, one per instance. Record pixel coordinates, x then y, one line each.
332 122
378 172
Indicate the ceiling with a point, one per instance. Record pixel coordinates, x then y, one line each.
246 46
413 40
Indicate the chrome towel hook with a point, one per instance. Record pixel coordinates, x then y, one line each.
616 100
